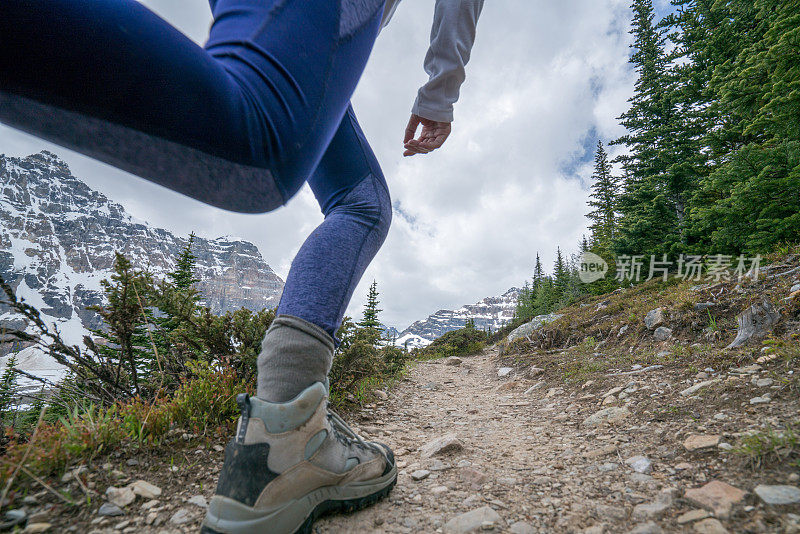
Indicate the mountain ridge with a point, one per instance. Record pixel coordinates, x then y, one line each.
58 238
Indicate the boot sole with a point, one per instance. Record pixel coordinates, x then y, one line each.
226 516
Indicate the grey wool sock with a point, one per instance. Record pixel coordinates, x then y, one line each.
294 355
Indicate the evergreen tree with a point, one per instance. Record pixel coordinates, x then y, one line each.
538 274
127 340
561 276
603 200
648 222
183 275
370 322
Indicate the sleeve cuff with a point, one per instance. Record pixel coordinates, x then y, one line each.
439 115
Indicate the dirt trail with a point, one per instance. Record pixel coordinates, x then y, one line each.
529 462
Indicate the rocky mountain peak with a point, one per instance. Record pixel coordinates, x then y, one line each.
58 237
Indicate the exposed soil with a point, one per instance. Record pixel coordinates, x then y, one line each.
528 456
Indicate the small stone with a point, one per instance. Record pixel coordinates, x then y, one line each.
613 391
534 387
764 399
149 504
110 509
122 497
646 528
794 477
507 481
442 445
454 361
662 333
30 500
145 489
420 474
717 497
473 477
653 510
763 382
725 446
683 465
640 464
794 289
439 490
521 527
182 516
533 372
198 500
697 442
654 318
747 369
487 525
700 306
34 528
132 461
709 526
438 465
606 467
504 371
778 494
612 414
697 387
218 448
471 521
690 517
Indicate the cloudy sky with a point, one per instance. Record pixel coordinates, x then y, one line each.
546 81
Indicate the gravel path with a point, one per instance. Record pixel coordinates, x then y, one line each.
483 448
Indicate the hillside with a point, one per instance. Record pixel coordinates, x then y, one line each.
588 424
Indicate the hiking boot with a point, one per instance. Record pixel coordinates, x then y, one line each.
292 462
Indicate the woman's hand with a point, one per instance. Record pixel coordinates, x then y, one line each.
433 135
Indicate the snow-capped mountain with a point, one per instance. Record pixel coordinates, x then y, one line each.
58 238
490 313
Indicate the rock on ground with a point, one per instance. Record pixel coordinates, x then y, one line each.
710 526
442 445
662 333
697 442
717 497
531 326
691 390
654 318
755 320
471 521
778 494
612 414
653 510
521 527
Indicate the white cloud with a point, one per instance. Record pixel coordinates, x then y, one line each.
546 78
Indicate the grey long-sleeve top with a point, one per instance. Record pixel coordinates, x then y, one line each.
452 37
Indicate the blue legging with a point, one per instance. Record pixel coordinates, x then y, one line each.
240 124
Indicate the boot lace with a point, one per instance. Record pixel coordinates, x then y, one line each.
346 435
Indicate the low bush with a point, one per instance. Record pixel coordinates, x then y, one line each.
467 340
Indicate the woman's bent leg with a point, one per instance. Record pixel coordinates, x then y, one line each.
352 193
240 125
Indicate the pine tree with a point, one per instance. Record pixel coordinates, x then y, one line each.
538 274
605 188
371 310
561 276
648 222
127 340
183 275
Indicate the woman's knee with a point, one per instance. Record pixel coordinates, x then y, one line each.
369 202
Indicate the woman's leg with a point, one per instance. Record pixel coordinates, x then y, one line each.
239 125
353 195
